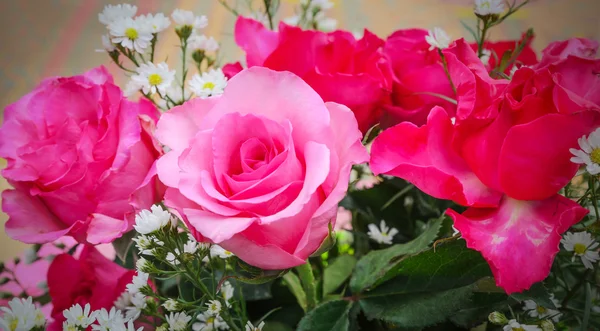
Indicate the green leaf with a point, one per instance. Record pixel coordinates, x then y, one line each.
329 316
470 29
478 310
337 273
253 292
415 310
449 265
538 293
265 277
377 266
123 245
293 283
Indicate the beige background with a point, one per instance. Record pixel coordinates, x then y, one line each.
41 38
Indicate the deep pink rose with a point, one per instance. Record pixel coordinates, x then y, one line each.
80 159
260 170
336 65
506 157
560 50
91 278
418 73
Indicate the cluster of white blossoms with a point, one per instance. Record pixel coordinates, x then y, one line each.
78 318
313 11
382 234
583 246
149 221
541 312
22 314
589 152
438 38
489 7
513 325
209 83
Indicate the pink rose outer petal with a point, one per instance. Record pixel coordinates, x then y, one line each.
519 239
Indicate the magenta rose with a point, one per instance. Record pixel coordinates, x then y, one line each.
260 170
79 157
339 67
560 50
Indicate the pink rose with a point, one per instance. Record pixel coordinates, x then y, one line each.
336 65
90 278
560 50
260 170
80 159
417 72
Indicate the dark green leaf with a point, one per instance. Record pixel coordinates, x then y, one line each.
253 292
537 293
293 283
415 310
337 273
329 316
123 245
477 311
277 326
378 266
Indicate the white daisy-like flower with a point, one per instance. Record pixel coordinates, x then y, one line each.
534 310
142 265
208 322
214 307
226 292
154 23
171 305
383 234
112 13
107 45
583 245
589 154
139 280
203 43
108 320
178 321
152 78
489 7
208 84
123 301
317 4
70 327
438 38
145 244
138 303
513 325
486 54
149 221
186 17
131 34
131 327
21 315
250 327
190 247
218 251
78 316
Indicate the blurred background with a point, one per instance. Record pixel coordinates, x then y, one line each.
43 38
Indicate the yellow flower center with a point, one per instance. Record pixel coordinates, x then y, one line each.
210 320
154 79
595 155
541 310
131 33
13 324
518 329
208 85
579 248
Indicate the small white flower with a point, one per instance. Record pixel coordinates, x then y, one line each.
226 292
108 320
154 23
20 315
486 54
171 305
131 327
190 247
589 154
534 310
583 245
208 84
317 4
152 78
173 258
112 13
250 327
214 307
70 327
186 17
123 301
489 7
142 265
149 221
139 303
383 234
438 38
106 44
207 322
178 321
139 280
203 43
512 71
78 316
326 24
218 251
131 34
292 20
513 325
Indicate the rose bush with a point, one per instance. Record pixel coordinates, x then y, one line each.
260 170
336 65
79 157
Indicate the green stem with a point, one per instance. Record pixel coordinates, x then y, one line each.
575 288
482 38
594 198
307 278
152 46
446 70
184 70
268 12
224 4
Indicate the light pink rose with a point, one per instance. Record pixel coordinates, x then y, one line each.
80 158
260 170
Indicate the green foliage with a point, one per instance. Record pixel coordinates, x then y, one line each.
293 283
337 273
329 316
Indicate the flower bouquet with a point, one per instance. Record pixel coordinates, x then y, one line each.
332 182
